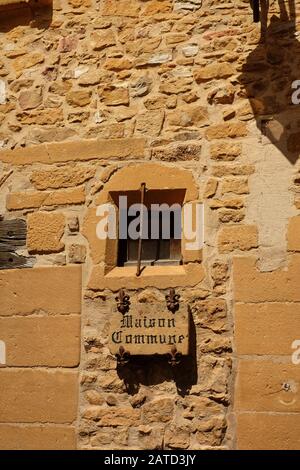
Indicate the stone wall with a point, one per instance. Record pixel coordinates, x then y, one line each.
90 88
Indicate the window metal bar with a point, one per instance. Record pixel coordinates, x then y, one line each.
255 6
143 191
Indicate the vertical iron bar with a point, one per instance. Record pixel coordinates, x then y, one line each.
143 190
256 15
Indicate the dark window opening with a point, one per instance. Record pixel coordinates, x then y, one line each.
161 237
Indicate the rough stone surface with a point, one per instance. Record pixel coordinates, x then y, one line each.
45 231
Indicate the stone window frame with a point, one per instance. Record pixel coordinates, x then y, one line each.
103 253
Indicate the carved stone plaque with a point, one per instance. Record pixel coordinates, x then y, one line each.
149 329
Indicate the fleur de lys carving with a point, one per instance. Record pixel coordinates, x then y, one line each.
123 357
175 357
172 301
123 302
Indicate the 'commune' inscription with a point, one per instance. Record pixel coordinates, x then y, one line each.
149 329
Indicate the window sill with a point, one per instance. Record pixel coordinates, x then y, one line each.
162 277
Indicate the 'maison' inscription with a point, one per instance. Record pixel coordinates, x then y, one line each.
149 329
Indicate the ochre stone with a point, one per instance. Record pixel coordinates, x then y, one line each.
37 437
293 234
85 149
26 291
237 237
44 233
235 185
33 199
266 391
251 285
103 39
33 395
78 97
228 129
129 8
152 276
57 343
225 151
265 431
61 177
264 320
213 71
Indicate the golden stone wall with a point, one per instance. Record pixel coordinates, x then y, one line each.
91 89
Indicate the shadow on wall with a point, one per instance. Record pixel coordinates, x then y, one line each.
36 14
145 370
269 74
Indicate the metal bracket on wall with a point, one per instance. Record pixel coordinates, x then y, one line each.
123 357
123 302
175 357
172 301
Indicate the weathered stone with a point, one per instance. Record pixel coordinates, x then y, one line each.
103 39
112 417
77 253
222 95
94 398
154 7
117 64
265 431
179 152
177 438
30 99
219 272
37 437
211 314
293 235
57 343
61 178
81 150
211 188
150 123
67 44
227 129
186 116
235 185
225 151
129 8
45 231
27 61
73 225
234 170
114 96
211 431
251 285
158 410
34 199
78 97
41 117
213 71
141 87
43 289
264 320
238 237
176 85
42 396
266 391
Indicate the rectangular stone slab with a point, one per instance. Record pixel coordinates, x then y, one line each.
149 329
